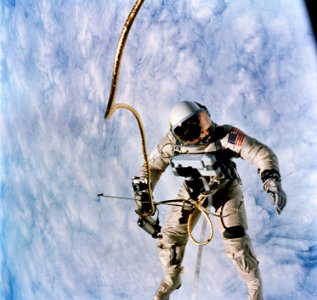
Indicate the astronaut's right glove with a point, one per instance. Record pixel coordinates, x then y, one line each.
142 196
272 185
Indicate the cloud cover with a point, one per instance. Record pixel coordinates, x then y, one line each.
253 63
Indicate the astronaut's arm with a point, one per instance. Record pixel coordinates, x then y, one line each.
264 159
158 161
259 155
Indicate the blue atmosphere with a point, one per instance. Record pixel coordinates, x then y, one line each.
253 63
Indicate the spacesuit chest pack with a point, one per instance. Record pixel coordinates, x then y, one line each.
193 163
194 166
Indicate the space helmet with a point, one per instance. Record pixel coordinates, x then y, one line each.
190 122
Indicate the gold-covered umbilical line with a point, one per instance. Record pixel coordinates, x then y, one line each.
120 47
111 108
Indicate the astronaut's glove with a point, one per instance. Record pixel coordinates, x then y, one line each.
272 185
142 196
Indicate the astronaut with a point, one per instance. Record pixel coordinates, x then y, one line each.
193 134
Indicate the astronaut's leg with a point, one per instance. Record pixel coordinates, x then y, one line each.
241 252
171 253
171 248
237 243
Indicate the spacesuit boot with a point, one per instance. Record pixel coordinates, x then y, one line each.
165 289
240 251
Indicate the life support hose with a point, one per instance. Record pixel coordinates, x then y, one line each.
199 208
111 108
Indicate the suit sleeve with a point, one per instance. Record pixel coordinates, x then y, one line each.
251 150
159 159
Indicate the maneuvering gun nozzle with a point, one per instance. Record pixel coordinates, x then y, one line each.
151 226
142 198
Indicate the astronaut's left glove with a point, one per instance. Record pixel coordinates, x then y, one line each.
272 185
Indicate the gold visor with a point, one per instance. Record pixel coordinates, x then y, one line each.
194 128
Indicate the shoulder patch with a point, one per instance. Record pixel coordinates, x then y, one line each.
236 137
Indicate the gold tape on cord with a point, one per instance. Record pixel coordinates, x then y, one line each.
112 107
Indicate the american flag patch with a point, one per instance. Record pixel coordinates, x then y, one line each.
236 137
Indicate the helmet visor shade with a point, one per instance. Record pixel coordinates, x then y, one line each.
194 128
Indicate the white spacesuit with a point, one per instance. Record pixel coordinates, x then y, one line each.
195 140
